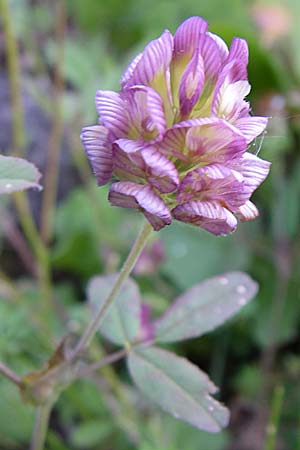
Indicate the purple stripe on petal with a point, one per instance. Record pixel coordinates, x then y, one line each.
191 84
247 212
131 195
130 146
112 111
213 182
130 69
215 143
128 166
222 46
173 143
211 56
161 172
208 215
253 169
186 38
99 151
156 57
251 127
239 51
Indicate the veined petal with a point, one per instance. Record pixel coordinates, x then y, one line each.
233 72
208 215
213 182
231 99
186 38
155 108
129 167
161 172
99 151
129 145
113 112
217 142
253 169
191 84
222 46
154 60
251 126
239 51
247 212
131 195
211 55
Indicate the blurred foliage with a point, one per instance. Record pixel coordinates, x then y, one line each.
248 357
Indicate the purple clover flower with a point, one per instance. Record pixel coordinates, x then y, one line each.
176 134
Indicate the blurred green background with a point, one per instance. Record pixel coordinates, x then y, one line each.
66 51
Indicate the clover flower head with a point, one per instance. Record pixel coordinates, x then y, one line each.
176 134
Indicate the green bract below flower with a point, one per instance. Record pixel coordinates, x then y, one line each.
176 134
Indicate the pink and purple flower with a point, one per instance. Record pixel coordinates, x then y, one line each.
176 135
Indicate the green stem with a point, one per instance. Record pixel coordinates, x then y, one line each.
40 427
13 67
272 427
124 273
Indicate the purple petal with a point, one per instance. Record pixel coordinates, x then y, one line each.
251 127
130 146
186 38
213 182
99 151
191 84
173 143
239 51
253 169
128 166
211 55
146 325
162 173
208 215
218 142
247 212
223 49
113 113
131 195
155 59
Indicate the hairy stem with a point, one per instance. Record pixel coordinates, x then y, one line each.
54 149
124 273
9 374
40 427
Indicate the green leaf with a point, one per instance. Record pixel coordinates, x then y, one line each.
122 320
17 174
91 433
178 387
205 306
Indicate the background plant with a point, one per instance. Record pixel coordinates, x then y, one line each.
258 351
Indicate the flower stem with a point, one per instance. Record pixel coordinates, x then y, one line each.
124 273
9 374
40 427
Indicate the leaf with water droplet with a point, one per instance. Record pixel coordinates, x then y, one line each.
17 174
179 387
123 319
205 306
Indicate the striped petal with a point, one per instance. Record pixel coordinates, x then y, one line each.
187 36
213 182
239 51
113 113
222 46
215 143
99 151
251 127
131 195
247 212
151 63
253 169
191 84
208 215
161 172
